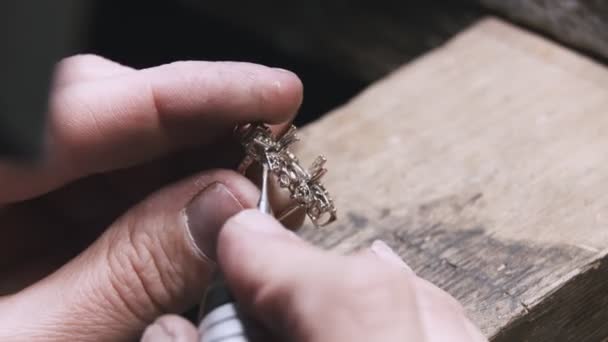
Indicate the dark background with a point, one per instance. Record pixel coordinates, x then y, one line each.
163 31
336 47
36 34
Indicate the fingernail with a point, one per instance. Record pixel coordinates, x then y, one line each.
259 223
384 252
156 333
206 214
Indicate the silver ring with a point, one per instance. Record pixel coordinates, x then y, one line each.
303 184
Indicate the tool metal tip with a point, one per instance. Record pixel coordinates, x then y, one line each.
264 202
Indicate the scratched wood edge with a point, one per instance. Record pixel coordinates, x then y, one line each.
575 311
554 312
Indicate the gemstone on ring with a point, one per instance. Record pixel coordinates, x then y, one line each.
303 184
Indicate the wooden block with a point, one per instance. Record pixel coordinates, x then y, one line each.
579 23
484 164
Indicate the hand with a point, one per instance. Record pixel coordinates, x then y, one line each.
300 293
122 172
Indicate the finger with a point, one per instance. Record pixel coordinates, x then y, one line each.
434 307
170 328
437 308
85 208
86 67
287 284
152 110
152 260
123 120
264 263
384 252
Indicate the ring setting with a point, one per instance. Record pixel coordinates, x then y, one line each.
303 184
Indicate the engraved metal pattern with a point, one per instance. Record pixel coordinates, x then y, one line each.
303 184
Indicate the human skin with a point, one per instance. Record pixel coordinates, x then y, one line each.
121 221
311 295
94 241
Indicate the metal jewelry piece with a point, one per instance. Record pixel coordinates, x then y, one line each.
304 185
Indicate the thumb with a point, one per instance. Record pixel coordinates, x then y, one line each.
155 259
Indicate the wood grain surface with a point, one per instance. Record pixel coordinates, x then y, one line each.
484 164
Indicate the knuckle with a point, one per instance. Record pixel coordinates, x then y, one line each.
72 66
76 60
141 274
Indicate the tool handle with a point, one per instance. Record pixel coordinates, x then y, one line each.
222 320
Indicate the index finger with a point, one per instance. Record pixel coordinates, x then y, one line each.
120 121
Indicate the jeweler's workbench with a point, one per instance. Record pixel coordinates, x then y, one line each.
485 165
